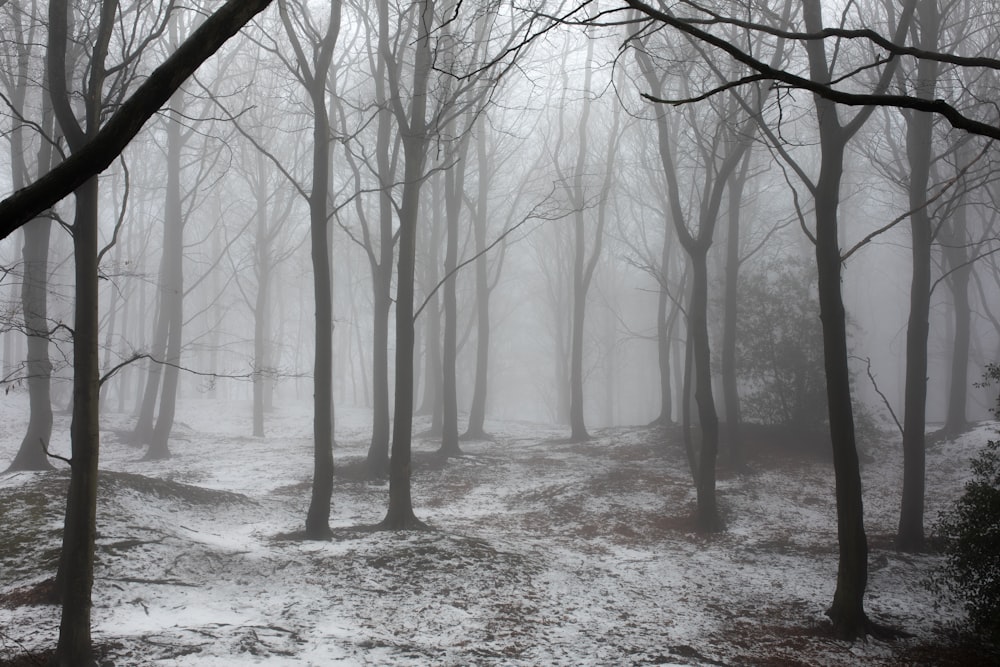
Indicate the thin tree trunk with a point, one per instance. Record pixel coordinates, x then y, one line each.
400 515
477 410
956 261
730 391
171 288
454 180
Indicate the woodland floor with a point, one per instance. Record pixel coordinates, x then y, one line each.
542 553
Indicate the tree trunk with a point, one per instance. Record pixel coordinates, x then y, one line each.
956 421
318 515
578 428
76 565
666 315
171 288
34 303
730 391
477 410
919 139
708 518
847 611
143 431
454 180
261 310
956 261
378 450
431 401
399 515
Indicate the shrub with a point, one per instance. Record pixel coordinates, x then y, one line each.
971 531
780 348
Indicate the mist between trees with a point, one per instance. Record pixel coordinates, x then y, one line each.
589 214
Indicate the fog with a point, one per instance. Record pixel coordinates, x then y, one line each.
571 247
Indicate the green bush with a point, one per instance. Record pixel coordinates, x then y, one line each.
780 348
971 531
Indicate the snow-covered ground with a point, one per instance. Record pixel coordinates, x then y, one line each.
542 553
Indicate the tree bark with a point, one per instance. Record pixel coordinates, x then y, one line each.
919 140
318 514
76 563
413 126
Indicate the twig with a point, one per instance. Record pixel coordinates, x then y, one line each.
45 448
878 391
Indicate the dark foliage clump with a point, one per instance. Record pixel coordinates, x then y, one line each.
971 534
780 348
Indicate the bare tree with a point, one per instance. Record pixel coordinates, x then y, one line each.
31 454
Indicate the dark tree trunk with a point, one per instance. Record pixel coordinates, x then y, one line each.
919 139
847 611
708 518
399 515
314 73
76 564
